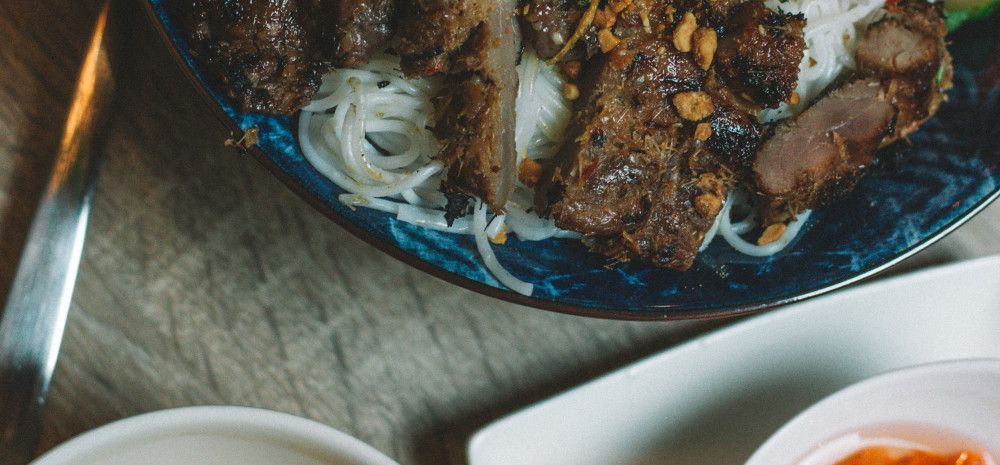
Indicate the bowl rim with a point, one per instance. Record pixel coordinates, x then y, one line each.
880 381
283 428
653 313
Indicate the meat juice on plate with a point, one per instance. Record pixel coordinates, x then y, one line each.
905 444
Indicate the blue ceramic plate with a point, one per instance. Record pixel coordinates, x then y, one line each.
912 197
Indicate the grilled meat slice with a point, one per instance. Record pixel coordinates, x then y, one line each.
628 179
431 30
715 13
903 68
476 119
821 153
736 134
615 161
683 208
760 53
359 29
548 24
906 51
263 53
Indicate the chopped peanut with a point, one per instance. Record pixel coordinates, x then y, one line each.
705 44
794 99
693 106
709 182
530 172
708 205
501 237
570 91
684 31
607 40
605 18
620 5
703 131
772 234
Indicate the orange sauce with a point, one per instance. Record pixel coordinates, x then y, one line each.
894 456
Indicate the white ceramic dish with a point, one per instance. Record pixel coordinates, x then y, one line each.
714 400
214 436
941 407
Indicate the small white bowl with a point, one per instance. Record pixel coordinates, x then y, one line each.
216 436
948 405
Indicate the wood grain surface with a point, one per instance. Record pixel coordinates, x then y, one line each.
205 281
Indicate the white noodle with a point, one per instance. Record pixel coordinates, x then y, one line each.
490 259
732 233
831 34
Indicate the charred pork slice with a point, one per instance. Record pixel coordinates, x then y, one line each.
760 53
714 13
359 29
906 51
821 153
264 53
683 208
476 119
628 180
430 31
624 134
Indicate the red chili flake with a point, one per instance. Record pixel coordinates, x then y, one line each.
589 169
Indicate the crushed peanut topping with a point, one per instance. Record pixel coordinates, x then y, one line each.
530 172
684 32
607 40
693 106
703 131
708 205
705 43
570 91
772 234
501 237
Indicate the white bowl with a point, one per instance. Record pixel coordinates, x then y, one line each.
945 406
216 436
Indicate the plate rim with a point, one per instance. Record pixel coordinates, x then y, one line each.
727 332
652 313
284 430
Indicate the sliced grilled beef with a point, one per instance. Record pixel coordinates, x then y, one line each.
476 119
359 29
263 53
906 51
821 153
548 24
760 53
430 31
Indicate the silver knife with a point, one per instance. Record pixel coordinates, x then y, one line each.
33 320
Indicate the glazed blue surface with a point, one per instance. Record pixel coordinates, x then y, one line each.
909 197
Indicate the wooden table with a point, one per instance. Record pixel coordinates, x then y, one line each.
205 281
